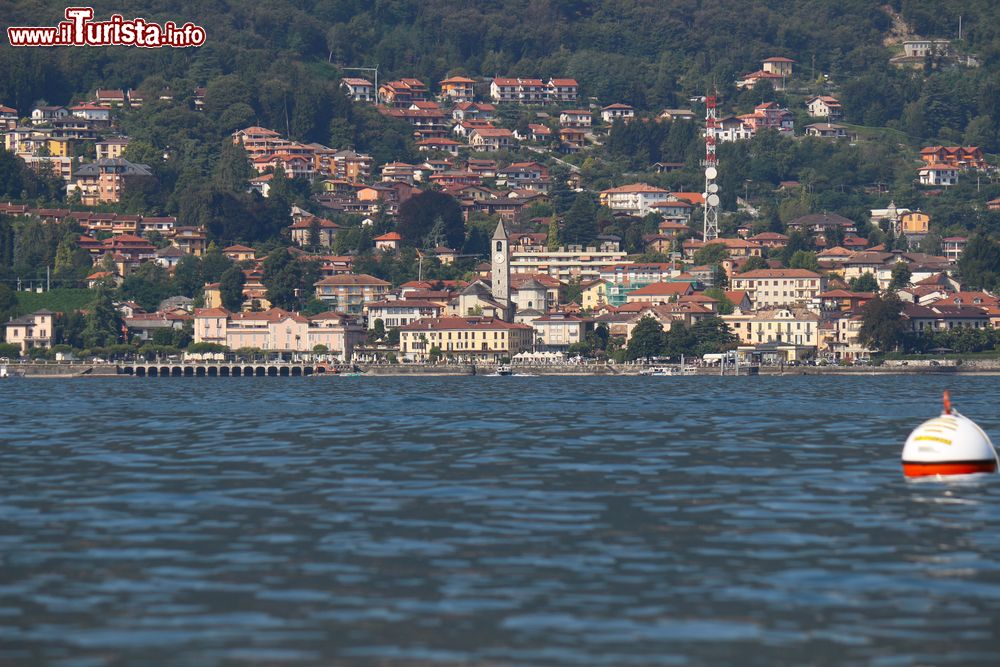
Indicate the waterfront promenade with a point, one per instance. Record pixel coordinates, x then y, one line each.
242 369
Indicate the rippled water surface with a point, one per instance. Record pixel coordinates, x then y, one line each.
490 521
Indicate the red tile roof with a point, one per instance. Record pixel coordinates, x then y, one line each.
778 273
463 323
662 289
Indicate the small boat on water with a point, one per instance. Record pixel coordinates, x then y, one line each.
504 370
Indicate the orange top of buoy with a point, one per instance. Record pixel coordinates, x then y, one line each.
947 402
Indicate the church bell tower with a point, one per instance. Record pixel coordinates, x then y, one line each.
500 270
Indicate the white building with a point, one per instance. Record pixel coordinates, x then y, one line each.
634 199
567 263
779 287
358 89
612 112
824 106
938 174
400 312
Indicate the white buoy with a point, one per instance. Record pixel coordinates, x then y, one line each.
948 445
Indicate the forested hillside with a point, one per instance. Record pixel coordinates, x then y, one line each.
276 61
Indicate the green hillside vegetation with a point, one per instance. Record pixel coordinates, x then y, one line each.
274 62
58 300
278 65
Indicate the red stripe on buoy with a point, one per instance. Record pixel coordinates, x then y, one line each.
913 469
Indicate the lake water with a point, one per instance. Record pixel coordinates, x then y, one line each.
490 521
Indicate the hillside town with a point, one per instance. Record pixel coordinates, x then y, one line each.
518 280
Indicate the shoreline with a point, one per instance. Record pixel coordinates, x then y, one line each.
63 371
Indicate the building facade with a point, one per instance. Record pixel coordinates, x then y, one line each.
278 330
349 293
482 339
32 331
769 288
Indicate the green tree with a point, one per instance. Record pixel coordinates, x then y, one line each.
900 276
552 240
187 276
289 283
580 221
377 332
646 340
231 288
71 261
713 335
8 303
148 286
882 323
713 253
719 277
31 249
103 324
803 259
864 283
392 337
232 171
164 336
574 291
214 264
754 263
796 241
725 306
979 264
679 340
418 214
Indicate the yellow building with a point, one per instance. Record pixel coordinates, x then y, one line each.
32 331
483 339
111 148
213 296
594 294
59 147
916 223
797 326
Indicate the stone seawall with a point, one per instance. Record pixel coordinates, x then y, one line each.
65 370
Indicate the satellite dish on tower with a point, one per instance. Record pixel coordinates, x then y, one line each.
713 200
713 188
711 173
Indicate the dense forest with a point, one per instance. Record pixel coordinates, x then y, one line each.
275 62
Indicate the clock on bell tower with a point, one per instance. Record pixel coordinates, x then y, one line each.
500 270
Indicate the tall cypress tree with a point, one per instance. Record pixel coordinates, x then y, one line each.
103 323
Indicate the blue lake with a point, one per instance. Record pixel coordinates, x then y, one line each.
490 521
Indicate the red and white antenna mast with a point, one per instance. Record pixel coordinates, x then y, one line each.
711 194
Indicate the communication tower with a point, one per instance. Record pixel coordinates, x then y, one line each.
711 194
